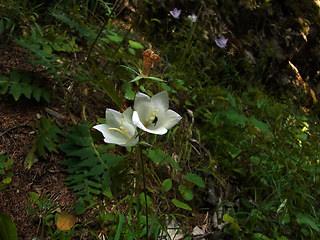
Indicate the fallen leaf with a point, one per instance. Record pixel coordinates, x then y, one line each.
66 221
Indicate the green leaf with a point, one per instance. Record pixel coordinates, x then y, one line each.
180 204
166 185
4 84
31 157
135 45
115 38
232 150
90 166
39 29
142 200
132 51
33 35
21 84
46 140
48 136
107 86
2 27
8 164
186 193
195 179
155 79
137 78
129 93
235 118
2 162
6 180
119 228
8 229
259 236
234 224
80 206
260 125
303 218
97 170
159 157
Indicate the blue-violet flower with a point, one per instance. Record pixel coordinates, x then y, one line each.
193 18
221 42
175 13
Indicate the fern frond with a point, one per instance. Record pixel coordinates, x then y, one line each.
85 32
47 136
46 140
18 84
90 167
42 57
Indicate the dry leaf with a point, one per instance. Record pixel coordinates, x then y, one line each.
66 221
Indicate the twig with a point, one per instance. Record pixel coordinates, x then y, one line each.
212 235
9 129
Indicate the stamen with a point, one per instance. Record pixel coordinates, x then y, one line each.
150 112
117 129
121 129
152 116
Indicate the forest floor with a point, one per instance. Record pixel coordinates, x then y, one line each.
17 123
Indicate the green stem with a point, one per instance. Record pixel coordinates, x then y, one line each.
144 188
119 46
101 29
189 42
98 155
124 38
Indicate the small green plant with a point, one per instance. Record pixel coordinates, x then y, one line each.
43 211
18 84
46 139
91 167
8 229
6 175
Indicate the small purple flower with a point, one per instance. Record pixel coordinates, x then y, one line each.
175 13
221 42
193 18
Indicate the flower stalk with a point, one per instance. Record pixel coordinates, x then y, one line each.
139 153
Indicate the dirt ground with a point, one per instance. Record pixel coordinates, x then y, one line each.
18 121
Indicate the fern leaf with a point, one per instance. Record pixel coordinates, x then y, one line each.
48 136
19 84
83 31
90 167
46 140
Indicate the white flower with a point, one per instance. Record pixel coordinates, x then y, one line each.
118 128
175 13
153 114
193 18
221 42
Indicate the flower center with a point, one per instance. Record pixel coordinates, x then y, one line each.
152 117
121 129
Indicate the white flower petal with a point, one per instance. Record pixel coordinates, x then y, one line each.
119 128
113 117
161 101
136 121
152 114
133 141
172 118
142 104
128 114
154 130
109 135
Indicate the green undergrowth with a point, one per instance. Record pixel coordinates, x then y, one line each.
242 152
